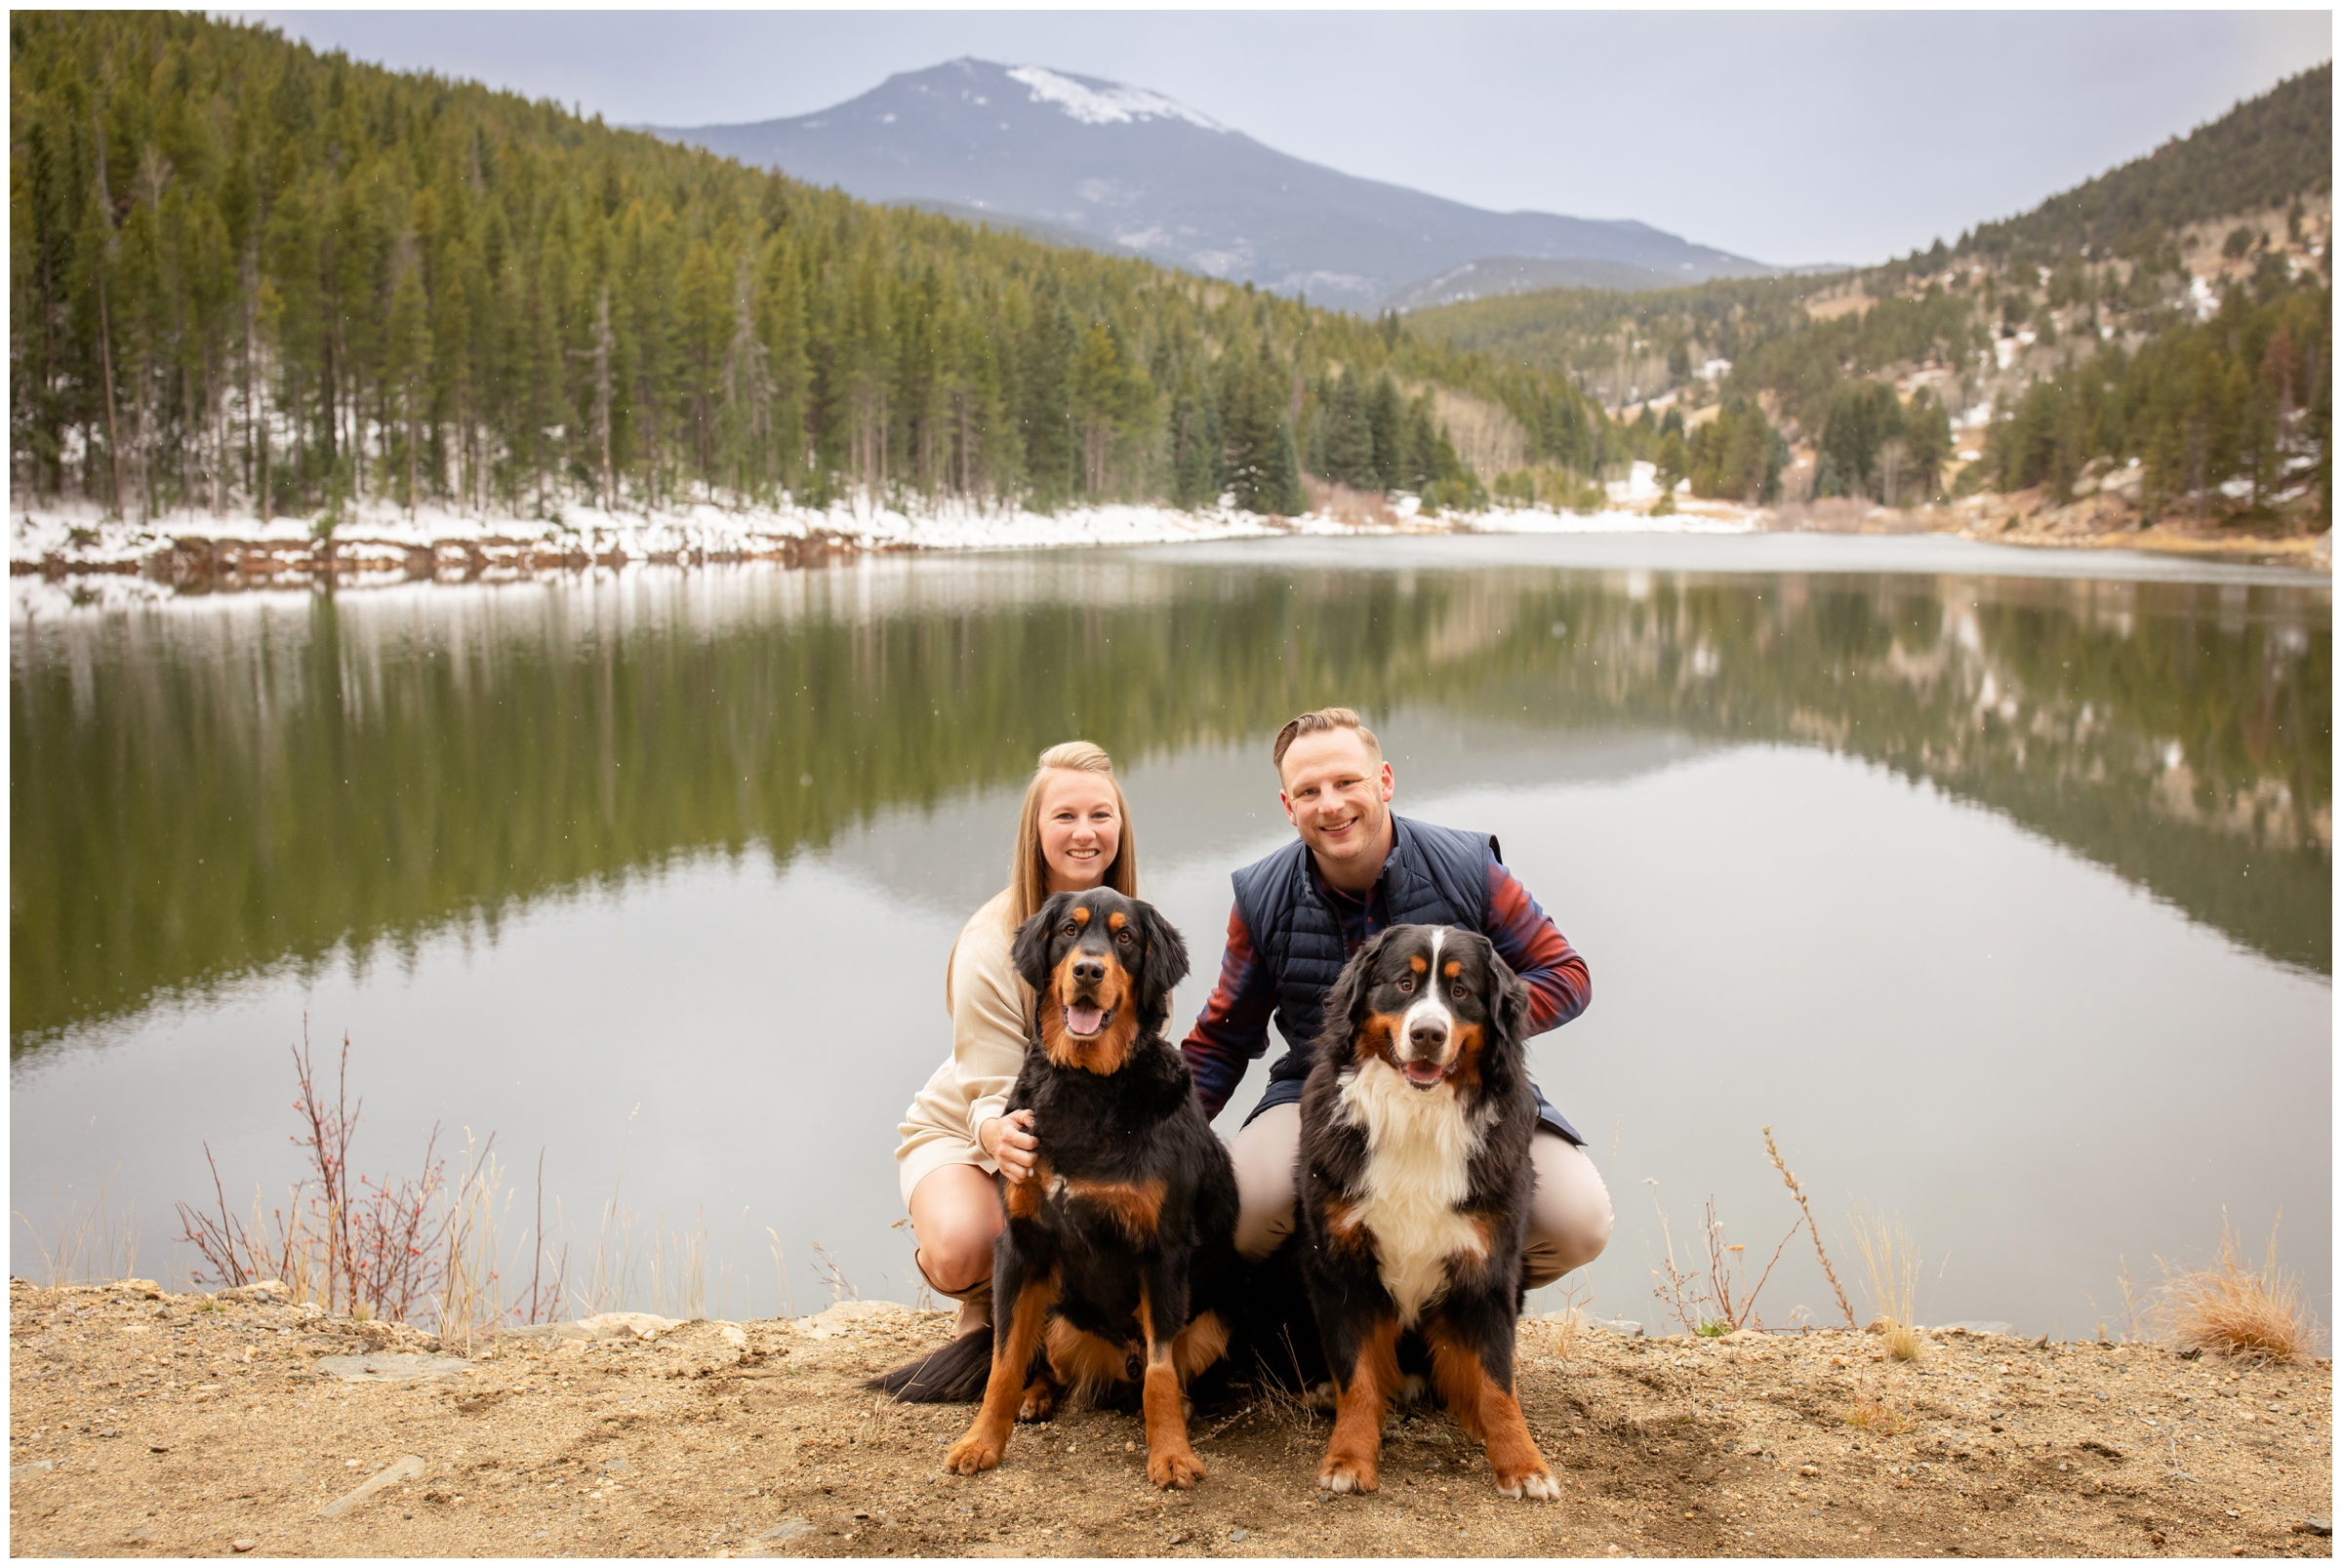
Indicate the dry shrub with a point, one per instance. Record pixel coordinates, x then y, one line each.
1352 508
1890 1266
2238 1310
1874 1417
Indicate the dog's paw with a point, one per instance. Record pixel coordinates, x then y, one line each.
1179 1467
971 1454
1537 1485
1343 1473
1040 1403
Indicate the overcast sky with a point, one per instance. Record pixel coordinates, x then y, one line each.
1787 137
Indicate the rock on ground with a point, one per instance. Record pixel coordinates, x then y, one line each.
183 1426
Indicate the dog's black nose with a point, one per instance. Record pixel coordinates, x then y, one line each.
1088 970
1430 1036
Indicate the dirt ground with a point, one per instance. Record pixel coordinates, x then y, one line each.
144 1424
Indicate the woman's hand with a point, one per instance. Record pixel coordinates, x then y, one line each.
1010 1141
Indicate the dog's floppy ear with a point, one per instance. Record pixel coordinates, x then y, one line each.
1031 954
1164 966
1346 998
1505 996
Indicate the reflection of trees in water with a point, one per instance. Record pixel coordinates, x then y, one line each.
196 796
2176 733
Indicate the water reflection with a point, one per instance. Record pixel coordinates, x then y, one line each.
206 792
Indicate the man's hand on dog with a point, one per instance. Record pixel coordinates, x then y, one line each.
1009 1141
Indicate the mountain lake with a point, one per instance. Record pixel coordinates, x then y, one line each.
1998 883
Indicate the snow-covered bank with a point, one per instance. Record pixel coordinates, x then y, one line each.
71 539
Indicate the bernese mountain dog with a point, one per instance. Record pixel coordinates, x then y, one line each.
1118 1259
1414 1191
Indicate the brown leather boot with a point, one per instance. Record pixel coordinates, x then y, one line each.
975 1302
975 1311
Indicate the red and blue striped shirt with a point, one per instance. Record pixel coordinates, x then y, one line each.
1232 1031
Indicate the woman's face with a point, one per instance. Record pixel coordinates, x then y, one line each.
1081 828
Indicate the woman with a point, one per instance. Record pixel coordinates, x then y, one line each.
1073 835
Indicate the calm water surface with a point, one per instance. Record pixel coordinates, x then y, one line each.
2000 885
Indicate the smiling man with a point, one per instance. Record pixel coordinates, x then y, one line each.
1357 868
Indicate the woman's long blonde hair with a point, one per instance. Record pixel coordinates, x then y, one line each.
1027 872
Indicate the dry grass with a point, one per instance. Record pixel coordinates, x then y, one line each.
1567 1323
1789 1179
83 1243
2238 1310
1890 1266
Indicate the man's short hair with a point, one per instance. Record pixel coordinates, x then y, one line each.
1318 723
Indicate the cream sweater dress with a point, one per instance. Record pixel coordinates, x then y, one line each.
988 1002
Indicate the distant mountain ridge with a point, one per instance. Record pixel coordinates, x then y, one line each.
1133 170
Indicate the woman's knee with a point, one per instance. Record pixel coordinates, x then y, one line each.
956 1222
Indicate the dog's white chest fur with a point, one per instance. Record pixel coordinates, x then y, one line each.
1418 1148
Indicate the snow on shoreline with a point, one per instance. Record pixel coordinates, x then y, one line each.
77 537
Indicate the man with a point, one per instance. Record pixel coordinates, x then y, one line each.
1302 912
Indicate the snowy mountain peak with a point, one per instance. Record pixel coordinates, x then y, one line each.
1084 161
1095 102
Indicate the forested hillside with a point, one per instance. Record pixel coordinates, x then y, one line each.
2174 315
246 275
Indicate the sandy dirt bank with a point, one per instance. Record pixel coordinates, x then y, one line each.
189 1425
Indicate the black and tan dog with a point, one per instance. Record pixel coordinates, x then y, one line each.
1415 1186
1120 1251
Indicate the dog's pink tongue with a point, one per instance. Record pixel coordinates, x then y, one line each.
1424 1072
1084 1019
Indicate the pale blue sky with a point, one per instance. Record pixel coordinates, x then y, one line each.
1789 136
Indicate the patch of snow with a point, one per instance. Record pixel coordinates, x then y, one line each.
382 534
2236 488
2199 295
1640 484
1107 106
374 548
1716 370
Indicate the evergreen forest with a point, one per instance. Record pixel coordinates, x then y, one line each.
249 275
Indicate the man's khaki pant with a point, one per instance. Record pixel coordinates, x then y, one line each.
1569 1218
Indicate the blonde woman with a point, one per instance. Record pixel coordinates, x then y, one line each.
1073 835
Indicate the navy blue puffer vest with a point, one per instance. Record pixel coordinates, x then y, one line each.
1435 876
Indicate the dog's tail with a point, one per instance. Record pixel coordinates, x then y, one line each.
952 1375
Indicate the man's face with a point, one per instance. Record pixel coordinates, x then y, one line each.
1338 796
